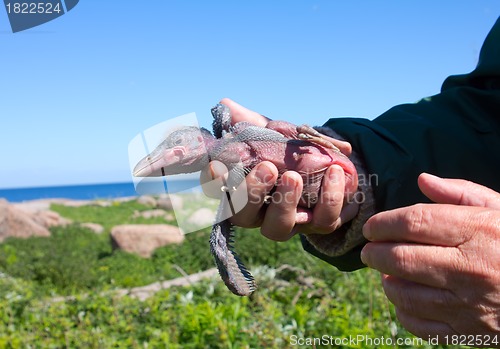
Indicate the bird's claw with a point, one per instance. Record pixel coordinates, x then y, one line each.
307 133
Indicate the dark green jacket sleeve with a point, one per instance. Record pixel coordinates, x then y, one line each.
453 134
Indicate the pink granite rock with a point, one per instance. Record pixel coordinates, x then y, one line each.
15 222
143 239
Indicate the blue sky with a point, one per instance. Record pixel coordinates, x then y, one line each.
76 90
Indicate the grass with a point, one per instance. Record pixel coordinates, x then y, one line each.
307 300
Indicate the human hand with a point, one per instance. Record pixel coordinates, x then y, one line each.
239 114
440 262
280 219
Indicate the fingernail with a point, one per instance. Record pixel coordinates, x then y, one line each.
367 231
434 177
288 183
295 231
216 169
211 170
363 257
263 174
335 172
303 217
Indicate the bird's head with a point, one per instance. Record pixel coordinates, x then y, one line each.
183 151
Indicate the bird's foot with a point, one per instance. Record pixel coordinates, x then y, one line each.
307 133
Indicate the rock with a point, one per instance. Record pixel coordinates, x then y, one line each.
96 228
47 219
15 222
73 203
33 206
169 217
44 204
169 202
164 204
147 200
150 214
39 211
125 199
102 203
143 239
202 217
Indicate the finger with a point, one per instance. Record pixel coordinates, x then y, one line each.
326 213
432 306
421 301
212 179
436 224
424 311
305 216
433 266
424 328
259 182
457 192
239 113
280 216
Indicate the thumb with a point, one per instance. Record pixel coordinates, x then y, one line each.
457 192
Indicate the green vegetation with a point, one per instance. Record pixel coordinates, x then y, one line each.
306 299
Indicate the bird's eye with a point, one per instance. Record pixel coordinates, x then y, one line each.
178 141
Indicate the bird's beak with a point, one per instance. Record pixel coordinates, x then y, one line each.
159 164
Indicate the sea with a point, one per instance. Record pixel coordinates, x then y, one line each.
94 191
